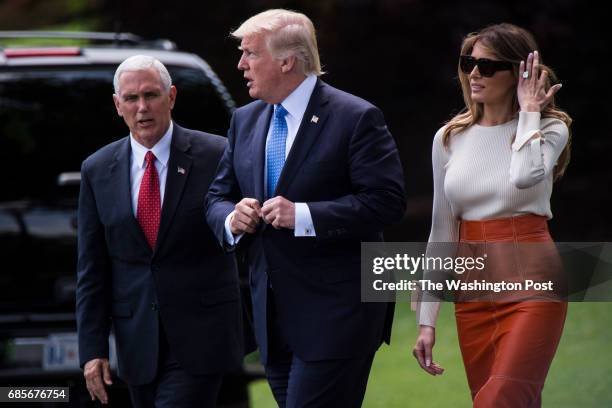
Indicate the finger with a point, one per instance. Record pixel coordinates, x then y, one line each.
90 390
428 354
98 388
251 202
238 224
529 65
244 227
420 356
419 353
269 217
550 94
248 211
268 202
106 373
542 80
246 219
281 221
276 223
437 368
521 72
267 208
535 70
536 64
101 394
553 90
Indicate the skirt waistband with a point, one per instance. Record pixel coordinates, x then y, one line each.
503 228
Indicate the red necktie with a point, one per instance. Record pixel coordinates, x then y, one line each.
149 201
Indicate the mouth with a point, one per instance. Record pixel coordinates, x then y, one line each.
249 82
476 87
145 122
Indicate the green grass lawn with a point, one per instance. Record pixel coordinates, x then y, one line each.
580 376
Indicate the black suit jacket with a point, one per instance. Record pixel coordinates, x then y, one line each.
187 284
344 164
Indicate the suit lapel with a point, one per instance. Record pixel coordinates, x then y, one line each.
260 133
312 124
179 166
120 177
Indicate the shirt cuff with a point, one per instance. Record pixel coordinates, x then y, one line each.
231 239
303 221
528 126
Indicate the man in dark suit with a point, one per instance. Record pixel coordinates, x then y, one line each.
310 172
147 262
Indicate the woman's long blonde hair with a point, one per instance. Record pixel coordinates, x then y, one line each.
511 43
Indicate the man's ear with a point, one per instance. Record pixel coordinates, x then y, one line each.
287 64
172 96
117 105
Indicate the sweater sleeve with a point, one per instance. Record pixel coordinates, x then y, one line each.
536 148
444 226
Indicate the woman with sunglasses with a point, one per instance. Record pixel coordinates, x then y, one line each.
494 165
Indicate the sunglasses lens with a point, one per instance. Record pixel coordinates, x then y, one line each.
486 68
467 64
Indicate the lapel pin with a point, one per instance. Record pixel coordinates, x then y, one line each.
314 119
180 170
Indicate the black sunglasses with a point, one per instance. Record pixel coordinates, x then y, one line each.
486 67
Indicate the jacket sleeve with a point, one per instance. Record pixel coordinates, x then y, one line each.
93 278
224 191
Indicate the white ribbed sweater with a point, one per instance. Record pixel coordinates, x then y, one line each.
483 175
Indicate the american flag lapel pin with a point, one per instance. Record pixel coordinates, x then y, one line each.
180 170
314 119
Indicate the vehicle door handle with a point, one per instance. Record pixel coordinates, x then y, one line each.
69 178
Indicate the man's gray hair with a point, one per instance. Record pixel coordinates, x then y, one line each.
142 63
288 33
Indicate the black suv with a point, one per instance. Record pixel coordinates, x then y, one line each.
56 109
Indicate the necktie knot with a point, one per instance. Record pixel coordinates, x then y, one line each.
150 158
279 111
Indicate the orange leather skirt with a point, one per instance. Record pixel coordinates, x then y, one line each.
508 346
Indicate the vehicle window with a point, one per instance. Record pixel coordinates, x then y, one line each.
52 118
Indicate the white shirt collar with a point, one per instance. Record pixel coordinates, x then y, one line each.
297 101
161 150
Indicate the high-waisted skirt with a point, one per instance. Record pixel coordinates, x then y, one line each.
508 344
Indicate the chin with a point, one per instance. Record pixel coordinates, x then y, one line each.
477 98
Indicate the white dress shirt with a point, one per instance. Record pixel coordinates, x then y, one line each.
295 104
161 150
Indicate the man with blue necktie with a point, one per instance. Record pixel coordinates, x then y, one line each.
309 173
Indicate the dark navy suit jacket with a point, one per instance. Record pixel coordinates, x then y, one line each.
344 164
186 283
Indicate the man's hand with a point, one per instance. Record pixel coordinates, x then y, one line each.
279 212
423 350
247 215
97 373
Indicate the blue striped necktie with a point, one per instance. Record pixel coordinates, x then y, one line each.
275 150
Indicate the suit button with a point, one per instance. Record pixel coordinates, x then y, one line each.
154 307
